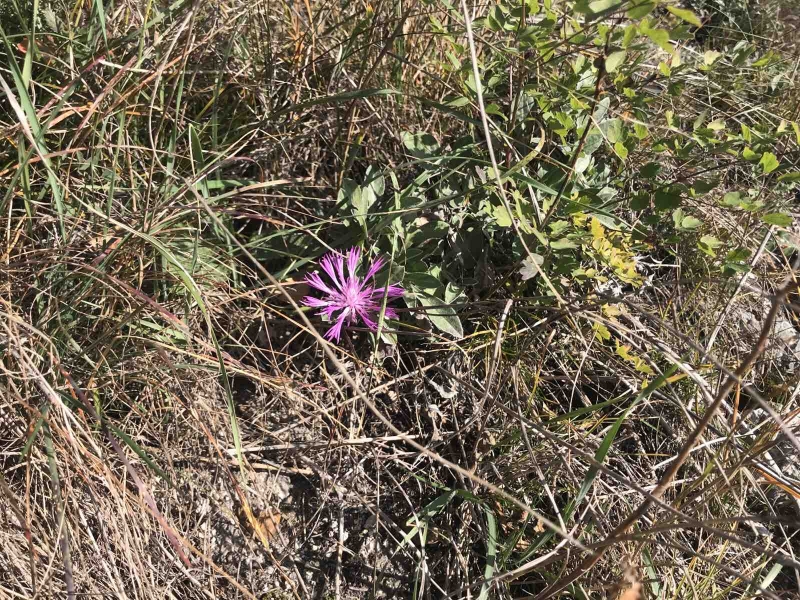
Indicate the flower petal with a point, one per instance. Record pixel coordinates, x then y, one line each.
315 281
353 258
328 264
329 310
374 268
367 321
352 289
393 291
316 302
390 313
335 332
339 262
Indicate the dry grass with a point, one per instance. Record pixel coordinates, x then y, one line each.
171 425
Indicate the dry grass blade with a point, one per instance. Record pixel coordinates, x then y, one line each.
666 479
576 369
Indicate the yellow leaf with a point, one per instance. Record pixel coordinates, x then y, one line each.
624 351
601 332
598 231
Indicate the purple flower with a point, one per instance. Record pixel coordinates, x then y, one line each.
356 297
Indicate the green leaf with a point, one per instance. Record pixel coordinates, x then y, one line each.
677 217
601 332
453 294
434 507
640 201
32 437
582 163
703 186
495 19
752 206
501 216
444 318
748 154
613 129
660 37
419 522
686 15
491 553
196 155
563 244
614 60
608 440
25 111
710 57
640 8
528 269
691 222
631 32
708 243
458 102
765 60
666 200
598 6
139 452
770 577
779 219
101 18
360 199
349 187
790 176
769 162
388 337
424 281
652 573
738 255
518 167
334 99
420 145
375 181
621 150
649 170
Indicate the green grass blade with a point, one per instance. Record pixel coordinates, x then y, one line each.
27 66
139 451
609 438
602 452
491 553
198 162
336 98
197 296
26 113
101 17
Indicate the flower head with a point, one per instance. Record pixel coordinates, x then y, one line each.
356 297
